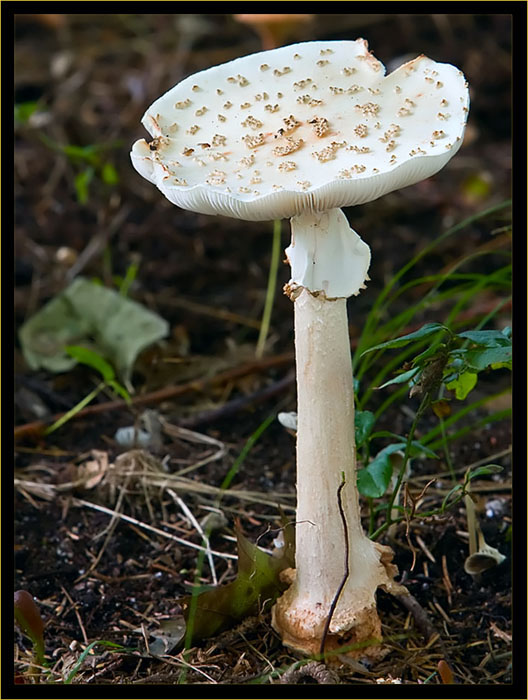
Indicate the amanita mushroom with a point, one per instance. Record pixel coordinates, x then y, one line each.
298 132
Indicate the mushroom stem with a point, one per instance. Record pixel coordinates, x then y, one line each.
325 451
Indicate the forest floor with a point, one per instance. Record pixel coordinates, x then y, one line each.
104 535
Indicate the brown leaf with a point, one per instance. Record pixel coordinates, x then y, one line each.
445 672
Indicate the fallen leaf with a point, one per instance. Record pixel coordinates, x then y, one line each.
88 314
256 586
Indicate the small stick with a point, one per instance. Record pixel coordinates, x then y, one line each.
170 392
425 549
199 528
447 580
424 624
236 405
77 615
150 528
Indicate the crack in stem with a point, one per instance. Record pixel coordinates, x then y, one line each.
347 568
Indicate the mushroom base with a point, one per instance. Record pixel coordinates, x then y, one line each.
303 630
355 628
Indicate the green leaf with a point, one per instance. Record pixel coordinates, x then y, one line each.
418 360
93 316
463 384
24 111
417 449
82 184
476 187
87 154
109 174
488 338
445 502
416 446
88 357
372 481
479 360
484 471
423 332
364 422
119 389
401 378
501 365
86 653
131 274
257 583
73 411
385 433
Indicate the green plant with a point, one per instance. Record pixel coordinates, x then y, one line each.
95 361
451 362
447 352
382 322
24 111
88 650
270 290
89 162
29 619
257 582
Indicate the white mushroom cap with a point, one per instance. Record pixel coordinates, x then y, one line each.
310 126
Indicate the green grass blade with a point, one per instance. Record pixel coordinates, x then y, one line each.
85 653
491 418
69 414
428 437
245 451
375 311
270 291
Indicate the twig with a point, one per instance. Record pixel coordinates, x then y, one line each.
199 528
409 602
77 615
425 549
49 491
170 392
232 407
128 519
203 309
109 530
464 469
446 579
97 243
423 623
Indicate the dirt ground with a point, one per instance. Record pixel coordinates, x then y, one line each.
98 576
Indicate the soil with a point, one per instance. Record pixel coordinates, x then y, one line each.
102 579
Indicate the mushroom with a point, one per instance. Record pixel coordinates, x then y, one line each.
482 556
299 132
